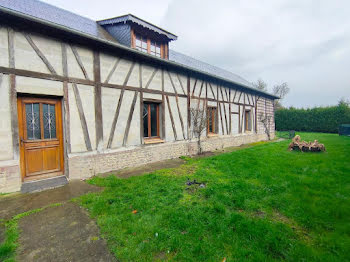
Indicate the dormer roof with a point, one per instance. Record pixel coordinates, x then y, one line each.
134 19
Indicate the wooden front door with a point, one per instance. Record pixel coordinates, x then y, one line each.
41 139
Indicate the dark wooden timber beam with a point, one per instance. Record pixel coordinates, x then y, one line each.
141 104
82 117
98 102
211 88
182 87
171 118
163 105
13 96
66 100
151 78
128 123
80 63
180 116
112 70
188 106
194 86
40 54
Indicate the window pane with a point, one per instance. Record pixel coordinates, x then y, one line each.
214 120
153 47
33 121
138 42
145 120
144 44
210 120
154 119
158 49
49 115
248 121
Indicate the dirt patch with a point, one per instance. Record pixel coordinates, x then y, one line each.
300 231
61 233
149 168
19 203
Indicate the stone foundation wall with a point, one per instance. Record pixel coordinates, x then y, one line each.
10 177
85 166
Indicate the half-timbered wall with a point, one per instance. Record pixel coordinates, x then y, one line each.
103 96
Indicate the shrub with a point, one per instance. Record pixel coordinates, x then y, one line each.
318 119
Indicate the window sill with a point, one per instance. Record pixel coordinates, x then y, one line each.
149 141
212 135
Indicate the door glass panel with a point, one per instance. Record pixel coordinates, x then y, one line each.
33 121
154 120
49 119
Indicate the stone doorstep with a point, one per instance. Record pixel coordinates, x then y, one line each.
40 185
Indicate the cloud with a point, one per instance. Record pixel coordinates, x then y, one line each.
302 42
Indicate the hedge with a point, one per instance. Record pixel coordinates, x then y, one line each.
318 119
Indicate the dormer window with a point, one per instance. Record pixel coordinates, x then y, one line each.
155 48
141 43
134 32
147 45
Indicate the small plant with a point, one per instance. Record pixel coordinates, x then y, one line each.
265 119
199 124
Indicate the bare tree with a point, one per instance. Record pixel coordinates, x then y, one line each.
281 91
265 119
199 124
261 85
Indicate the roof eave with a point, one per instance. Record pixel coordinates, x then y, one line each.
125 48
134 19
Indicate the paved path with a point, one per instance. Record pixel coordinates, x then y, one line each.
18 203
57 233
65 232
61 233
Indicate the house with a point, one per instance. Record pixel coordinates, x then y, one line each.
80 97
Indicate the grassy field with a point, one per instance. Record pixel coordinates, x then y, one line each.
261 203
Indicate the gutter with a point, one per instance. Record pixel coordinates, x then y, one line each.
125 48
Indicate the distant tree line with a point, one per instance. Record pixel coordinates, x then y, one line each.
318 119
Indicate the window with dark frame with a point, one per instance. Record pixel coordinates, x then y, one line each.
151 120
248 120
211 118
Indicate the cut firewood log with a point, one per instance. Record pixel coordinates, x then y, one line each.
304 146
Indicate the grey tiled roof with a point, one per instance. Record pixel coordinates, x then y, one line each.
207 68
87 26
57 15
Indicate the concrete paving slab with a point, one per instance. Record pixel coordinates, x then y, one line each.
61 233
15 204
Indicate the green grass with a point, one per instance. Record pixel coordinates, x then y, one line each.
261 203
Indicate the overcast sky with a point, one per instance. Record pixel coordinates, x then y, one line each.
302 42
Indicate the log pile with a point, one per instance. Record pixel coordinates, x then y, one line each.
304 146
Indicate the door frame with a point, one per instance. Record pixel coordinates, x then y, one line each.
22 130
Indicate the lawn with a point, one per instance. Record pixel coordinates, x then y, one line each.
261 203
